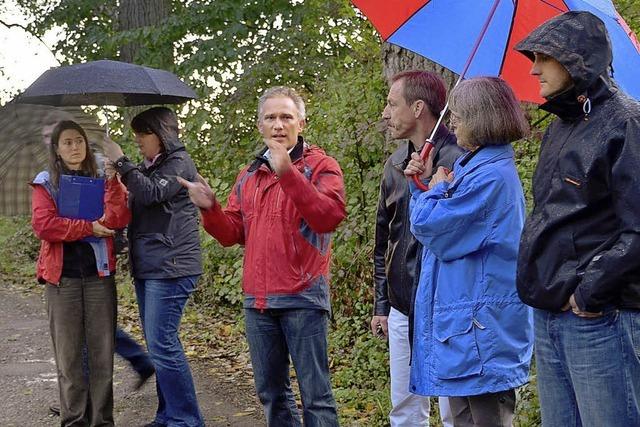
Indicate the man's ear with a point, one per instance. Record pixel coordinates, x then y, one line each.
418 108
301 124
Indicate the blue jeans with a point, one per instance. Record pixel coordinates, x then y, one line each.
161 303
275 334
588 369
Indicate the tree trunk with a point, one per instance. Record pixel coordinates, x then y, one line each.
396 59
134 14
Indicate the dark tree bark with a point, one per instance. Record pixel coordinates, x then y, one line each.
396 59
134 14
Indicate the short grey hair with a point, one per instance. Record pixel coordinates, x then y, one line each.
489 110
282 91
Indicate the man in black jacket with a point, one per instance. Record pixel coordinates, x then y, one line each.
580 249
413 105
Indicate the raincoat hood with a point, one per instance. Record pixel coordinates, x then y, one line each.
577 40
163 122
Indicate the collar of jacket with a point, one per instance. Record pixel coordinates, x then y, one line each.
401 159
483 155
569 105
159 159
157 162
296 154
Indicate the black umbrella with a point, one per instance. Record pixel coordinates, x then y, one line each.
106 82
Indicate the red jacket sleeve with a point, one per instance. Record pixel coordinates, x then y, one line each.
226 225
116 213
320 200
46 223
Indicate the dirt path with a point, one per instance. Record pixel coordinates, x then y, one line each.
28 380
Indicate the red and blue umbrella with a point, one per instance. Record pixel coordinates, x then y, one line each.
446 32
476 38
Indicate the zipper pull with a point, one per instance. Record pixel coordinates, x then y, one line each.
477 324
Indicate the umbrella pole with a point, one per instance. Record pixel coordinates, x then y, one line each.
428 146
106 126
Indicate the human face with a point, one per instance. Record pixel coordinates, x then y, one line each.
401 117
460 130
46 133
281 121
72 148
149 144
552 75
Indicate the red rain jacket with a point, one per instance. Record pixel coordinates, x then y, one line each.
53 230
285 225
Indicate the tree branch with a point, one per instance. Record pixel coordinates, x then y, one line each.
25 29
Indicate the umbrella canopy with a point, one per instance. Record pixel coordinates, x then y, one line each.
106 82
445 31
23 150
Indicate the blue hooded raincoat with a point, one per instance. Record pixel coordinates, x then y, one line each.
472 333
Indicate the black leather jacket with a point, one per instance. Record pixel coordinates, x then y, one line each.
583 236
396 254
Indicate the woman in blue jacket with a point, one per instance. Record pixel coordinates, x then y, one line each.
473 336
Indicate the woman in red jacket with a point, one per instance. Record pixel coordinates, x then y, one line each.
79 277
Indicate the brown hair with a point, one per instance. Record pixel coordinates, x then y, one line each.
56 165
425 86
489 112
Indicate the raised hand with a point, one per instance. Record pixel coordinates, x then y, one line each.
420 167
279 156
111 149
442 174
109 170
200 192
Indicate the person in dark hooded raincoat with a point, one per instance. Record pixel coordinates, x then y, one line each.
579 254
164 251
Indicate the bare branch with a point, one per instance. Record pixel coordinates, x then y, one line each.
25 29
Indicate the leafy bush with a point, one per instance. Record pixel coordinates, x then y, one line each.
231 52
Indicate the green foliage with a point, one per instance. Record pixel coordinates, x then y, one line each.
630 10
18 251
229 52
221 282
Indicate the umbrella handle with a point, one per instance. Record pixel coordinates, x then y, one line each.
424 154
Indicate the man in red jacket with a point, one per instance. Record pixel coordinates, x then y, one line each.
283 208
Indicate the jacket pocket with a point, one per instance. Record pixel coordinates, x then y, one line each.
152 253
455 348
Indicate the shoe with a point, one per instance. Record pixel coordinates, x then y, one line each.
54 408
142 380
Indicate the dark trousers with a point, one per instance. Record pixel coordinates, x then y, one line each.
132 352
484 410
83 312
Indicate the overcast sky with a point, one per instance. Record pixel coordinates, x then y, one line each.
22 57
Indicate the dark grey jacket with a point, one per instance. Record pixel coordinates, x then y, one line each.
164 241
397 253
583 235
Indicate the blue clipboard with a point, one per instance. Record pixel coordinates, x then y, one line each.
81 197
